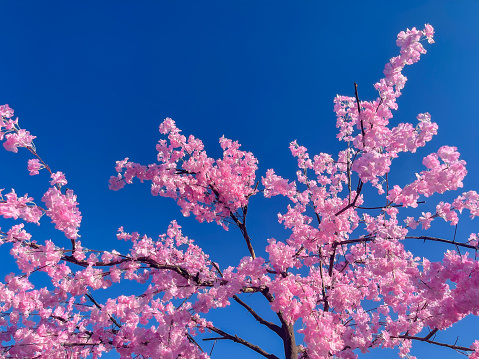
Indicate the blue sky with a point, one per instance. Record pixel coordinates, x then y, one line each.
93 80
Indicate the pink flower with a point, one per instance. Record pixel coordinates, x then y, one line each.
20 139
34 166
58 178
116 182
426 220
19 207
424 117
431 161
448 154
63 210
429 33
6 111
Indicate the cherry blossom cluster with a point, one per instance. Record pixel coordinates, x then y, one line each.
12 206
377 144
10 132
210 189
63 210
61 323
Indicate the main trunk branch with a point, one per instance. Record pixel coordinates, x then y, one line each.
291 351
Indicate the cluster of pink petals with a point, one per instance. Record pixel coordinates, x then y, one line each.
21 138
10 132
438 178
6 112
6 123
12 206
210 189
450 211
34 166
63 210
58 178
377 143
60 322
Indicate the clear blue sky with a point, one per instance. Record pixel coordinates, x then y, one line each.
93 80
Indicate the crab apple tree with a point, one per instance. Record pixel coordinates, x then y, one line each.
341 278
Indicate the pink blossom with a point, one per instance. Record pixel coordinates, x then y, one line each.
426 220
116 182
19 207
21 138
448 154
58 178
62 209
6 111
34 166
429 33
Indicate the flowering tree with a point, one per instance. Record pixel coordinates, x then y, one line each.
343 275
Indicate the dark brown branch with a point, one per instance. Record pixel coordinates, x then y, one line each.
427 238
348 171
359 109
88 333
152 264
214 338
360 183
305 172
331 261
241 225
323 289
193 341
291 351
426 340
89 296
244 232
353 203
275 328
434 331
386 206
239 340
350 241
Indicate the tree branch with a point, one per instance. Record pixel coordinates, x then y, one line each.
239 340
353 203
289 341
431 333
427 238
244 232
89 296
323 289
241 225
275 328
426 340
359 110
386 206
